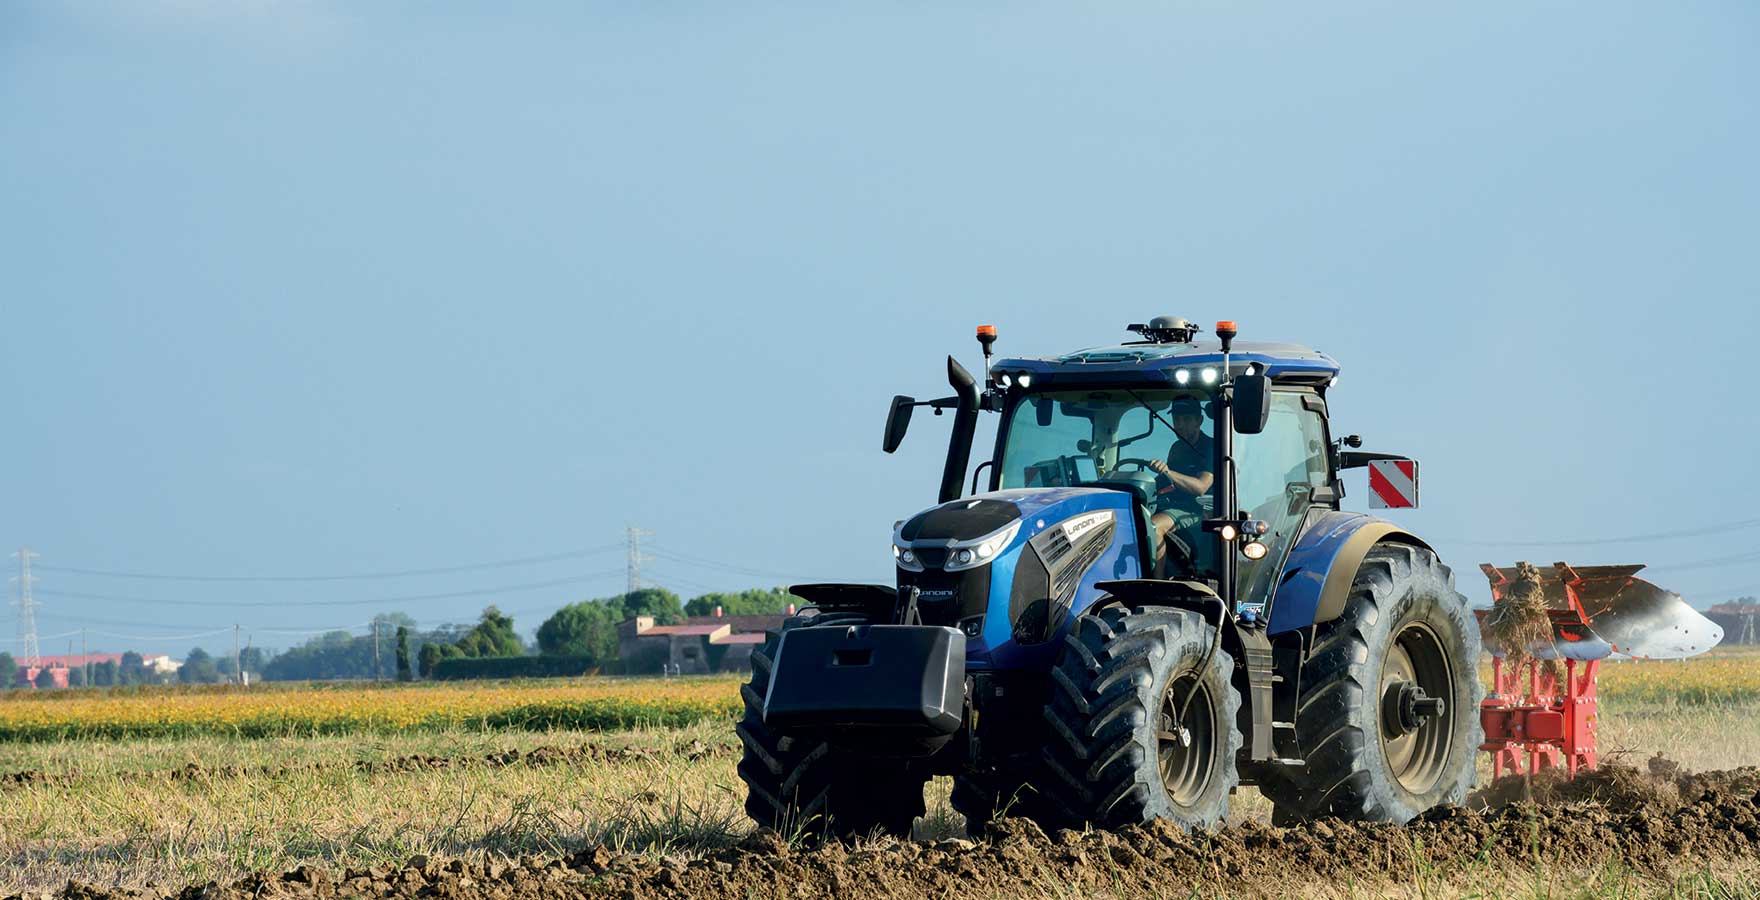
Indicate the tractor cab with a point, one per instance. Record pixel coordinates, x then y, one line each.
1143 418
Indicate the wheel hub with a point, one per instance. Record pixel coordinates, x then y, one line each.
1186 741
1405 707
1417 724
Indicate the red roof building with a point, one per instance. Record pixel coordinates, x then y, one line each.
61 665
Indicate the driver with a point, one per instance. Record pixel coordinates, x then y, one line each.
1185 476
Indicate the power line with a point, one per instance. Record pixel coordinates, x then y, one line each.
355 576
161 637
700 562
410 598
668 577
427 625
298 631
46 637
119 623
1703 531
1713 562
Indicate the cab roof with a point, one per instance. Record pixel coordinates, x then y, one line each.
1154 363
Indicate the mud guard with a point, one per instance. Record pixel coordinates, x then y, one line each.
1317 577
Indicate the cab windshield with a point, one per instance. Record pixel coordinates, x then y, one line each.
1119 435
1159 444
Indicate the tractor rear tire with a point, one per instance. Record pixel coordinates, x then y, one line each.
798 785
1115 753
1406 638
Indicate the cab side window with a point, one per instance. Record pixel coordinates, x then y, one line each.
1277 471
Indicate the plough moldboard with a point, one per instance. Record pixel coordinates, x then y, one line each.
1540 712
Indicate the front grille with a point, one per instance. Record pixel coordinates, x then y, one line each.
1054 548
946 598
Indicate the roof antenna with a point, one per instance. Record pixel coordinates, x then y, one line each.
1166 330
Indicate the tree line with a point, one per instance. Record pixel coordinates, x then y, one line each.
395 647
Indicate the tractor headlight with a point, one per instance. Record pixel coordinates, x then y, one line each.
906 559
1254 550
976 553
1181 376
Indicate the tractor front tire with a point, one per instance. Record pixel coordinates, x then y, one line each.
1124 746
798 785
1377 746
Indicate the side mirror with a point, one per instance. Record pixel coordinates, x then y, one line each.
1252 403
898 418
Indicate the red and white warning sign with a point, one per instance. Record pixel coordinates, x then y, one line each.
1393 483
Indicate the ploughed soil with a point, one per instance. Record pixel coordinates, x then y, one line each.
1653 821
1660 783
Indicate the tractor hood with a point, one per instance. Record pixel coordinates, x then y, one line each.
1006 567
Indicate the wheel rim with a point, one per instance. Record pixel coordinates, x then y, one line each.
1417 713
1186 744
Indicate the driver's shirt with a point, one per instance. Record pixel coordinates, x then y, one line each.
1193 460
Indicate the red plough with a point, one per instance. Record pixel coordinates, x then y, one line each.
1540 712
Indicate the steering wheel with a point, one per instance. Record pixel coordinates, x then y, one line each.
1143 464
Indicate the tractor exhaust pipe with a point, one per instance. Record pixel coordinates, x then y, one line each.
965 424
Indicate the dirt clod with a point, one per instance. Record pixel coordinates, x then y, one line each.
1661 785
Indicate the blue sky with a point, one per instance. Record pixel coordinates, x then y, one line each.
309 289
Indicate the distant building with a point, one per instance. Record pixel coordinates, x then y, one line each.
701 645
1740 622
59 666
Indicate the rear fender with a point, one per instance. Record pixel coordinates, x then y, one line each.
1317 577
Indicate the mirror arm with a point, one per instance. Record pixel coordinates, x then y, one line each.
1356 459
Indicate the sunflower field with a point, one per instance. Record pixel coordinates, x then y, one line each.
292 710
1721 678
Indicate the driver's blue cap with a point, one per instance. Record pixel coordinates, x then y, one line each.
1186 406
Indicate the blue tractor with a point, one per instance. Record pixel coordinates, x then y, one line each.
1156 599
